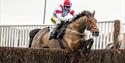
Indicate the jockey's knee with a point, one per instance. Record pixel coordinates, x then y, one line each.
54 20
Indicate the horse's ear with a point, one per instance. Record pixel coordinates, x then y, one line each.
93 12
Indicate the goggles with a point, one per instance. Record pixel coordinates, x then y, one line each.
67 6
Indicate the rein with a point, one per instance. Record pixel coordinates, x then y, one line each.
82 34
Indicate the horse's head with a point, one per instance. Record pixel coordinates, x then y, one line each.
85 20
90 23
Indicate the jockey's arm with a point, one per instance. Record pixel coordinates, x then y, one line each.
59 16
54 20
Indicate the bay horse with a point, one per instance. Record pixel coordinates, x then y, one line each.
73 36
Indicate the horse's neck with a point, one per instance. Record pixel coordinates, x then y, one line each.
78 25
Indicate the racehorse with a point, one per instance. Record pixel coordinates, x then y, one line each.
73 36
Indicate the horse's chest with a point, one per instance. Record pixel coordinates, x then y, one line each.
54 44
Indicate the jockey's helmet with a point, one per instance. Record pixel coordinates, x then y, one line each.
67 4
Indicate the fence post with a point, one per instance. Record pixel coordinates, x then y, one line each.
123 41
116 33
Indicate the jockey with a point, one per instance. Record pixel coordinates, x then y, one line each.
63 13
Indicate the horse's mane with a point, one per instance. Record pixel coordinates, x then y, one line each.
83 13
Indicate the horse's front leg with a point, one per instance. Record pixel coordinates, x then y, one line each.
75 47
86 47
82 44
89 44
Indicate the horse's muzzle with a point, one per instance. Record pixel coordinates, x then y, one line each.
96 33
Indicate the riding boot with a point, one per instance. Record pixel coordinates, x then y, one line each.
54 31
62 30
61 33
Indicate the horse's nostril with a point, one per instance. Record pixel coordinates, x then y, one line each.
96 33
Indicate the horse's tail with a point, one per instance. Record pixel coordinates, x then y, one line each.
32 34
